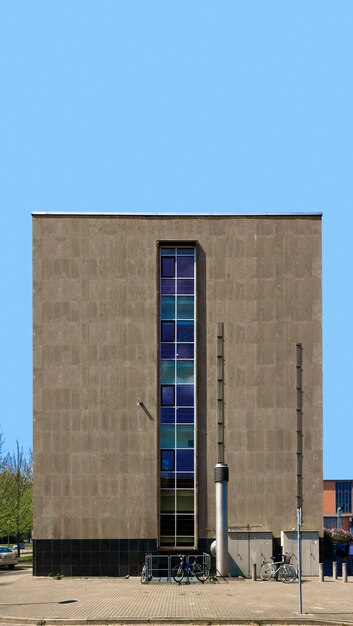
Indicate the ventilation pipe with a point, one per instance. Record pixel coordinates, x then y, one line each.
221 472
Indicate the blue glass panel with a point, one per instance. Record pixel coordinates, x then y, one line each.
188 251
168 460
185 307
167 436
185 436
167 395
167 285
185 285
185 267
167 350
167 480
167 331
185 395
167 416
185 351
167 307
185 480
185 372
185 416
185 331
167 251
185 461
168 371
168 266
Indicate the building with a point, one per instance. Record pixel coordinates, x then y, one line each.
127 313
338 512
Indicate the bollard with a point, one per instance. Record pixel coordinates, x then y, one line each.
253 571
321 572
344 572
334 570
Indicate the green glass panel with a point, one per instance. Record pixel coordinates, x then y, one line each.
167 307
167 439
185 501
184 541
185 308
167 501
185 436
167 372
168 541
185 371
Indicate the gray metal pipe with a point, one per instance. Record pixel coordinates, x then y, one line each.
221 480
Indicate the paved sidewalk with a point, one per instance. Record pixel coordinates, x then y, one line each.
25 599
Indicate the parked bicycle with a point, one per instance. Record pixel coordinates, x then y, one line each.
189 570
280 570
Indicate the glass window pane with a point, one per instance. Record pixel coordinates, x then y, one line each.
185 372
185 461
168 371
185 331
167 395
168 266
185 307
167 285
167 251
185 436
167 439
185 480
185 285
168 502
167 307
185 541
167 460
185 416
185 350
185 501
168 350
167 480
187 251
185 524
167 524
167 331
167 416
185 266
185 395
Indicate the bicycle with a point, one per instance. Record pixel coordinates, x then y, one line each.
280 570
189 570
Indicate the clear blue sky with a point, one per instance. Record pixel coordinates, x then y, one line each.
180 106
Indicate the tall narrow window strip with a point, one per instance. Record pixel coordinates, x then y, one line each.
177 381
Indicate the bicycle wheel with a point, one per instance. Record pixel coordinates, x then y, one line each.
201 572
144 574
266 571
178 573
288 573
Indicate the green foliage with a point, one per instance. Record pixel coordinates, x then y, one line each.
16 487
335 536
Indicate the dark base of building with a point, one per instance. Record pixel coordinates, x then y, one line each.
96 557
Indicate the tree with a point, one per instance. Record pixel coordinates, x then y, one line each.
21 483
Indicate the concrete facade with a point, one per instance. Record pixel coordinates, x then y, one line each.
96 474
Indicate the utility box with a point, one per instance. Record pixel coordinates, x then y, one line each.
310 550
246 548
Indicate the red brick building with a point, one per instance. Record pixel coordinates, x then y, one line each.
338 503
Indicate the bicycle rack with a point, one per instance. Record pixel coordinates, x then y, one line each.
159 566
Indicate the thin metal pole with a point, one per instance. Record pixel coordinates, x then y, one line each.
299 523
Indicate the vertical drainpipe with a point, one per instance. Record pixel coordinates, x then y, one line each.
221 472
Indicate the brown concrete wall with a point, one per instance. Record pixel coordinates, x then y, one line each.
95 356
